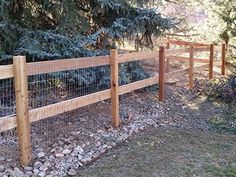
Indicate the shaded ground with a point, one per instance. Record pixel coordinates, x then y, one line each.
195 137
172 152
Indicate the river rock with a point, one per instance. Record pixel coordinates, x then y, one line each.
72 172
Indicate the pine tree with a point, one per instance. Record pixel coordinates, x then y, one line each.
55 29
71 28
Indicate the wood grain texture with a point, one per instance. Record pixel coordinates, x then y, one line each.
22 109
161 73
6 72
191 65
136 56
223 58
115 88
43 67
138 85
211 61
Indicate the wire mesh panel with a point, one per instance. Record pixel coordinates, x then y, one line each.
138 105
8 139
51 88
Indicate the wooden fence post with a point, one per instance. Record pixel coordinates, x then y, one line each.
22 109
161 73
223 59
211 61
191 65
167 59
115 87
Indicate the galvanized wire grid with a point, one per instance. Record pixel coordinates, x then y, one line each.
135 106
50 88
8 139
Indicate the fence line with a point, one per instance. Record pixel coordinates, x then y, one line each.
20 70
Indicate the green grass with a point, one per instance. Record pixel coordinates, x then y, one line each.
215 171
173 152
225 121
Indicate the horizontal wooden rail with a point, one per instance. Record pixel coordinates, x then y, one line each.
43 67
35 68
197 60
9 122
170 52
135 56
184 43
138 85
6 72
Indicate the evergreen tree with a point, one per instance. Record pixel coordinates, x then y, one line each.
71 28
55 29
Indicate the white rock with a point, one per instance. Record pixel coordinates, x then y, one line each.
37 164
29 173
2 168
72 172
80 157
9 160
59 155
66 151
41 174
36 171
41 154
79 149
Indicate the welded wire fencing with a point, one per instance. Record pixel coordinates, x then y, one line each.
79 95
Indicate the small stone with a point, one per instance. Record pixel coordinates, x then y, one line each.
36 171
72 172
41 154
28 168
39 149
37 164
150 122
66 151
9 160
54 145
104 146
51 157
98 144
2 158
60 143
47 163
41 174
100 131
70 146
59 155
43 168
29 173
2 168
80 157
79 149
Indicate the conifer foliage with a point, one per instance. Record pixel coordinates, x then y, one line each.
56 29
71 28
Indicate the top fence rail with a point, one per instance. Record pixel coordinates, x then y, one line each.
34 68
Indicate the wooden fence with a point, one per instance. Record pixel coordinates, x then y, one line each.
20 70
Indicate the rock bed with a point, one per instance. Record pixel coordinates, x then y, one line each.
69 150
78 144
